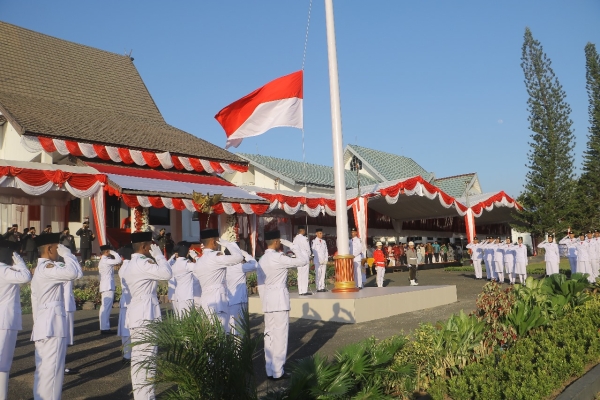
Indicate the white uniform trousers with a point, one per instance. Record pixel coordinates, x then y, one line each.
489 270
585 267
357 274
175 305
8 341
140 376
363 272
521 270
573 264
223 317
276 342
183 307
303 279
236 315
124 333
477 268
509 268
595 266
70 327
552 267
105 309
49 368
499 268
320 273
380 276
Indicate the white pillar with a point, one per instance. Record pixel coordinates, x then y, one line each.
341 215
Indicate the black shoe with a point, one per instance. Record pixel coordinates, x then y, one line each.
306 294
106 332
321 290
284 376
67 371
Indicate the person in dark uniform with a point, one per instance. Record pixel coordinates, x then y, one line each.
30 247
86 238
161 239
67 240
12 234
47 230
169 245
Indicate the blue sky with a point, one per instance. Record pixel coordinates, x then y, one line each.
437 81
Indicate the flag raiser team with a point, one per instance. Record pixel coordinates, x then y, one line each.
502 257
215 281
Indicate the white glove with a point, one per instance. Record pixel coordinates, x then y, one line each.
247 256
63 251
287 243
18 260
155 251
193 254
224 243
114 254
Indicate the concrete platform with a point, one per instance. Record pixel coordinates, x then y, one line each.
366 305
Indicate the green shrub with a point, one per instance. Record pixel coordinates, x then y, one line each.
26 299
537 365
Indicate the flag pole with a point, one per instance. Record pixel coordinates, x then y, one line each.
344 268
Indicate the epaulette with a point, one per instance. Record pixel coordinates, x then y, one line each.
49 265
151 261
219 253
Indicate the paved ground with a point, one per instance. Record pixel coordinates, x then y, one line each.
96 359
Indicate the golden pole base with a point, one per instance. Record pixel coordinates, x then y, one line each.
344 274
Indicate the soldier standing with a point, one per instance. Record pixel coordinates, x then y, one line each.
520 259
85 242
273 267
321 255
476 256
301 241
13 273
106 266
552 255
357 251
141 277
583 257
570 241
50 328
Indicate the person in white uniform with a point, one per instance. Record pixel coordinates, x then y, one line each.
551 256
141 276
520 260
13 273
50 328
596 253
276 301
301 241
498 259
237 291
583 257
321 255
70 307
210 270
106 266
488 258
183 279
593 271
125 253
476 256
509 259
356 249
570 241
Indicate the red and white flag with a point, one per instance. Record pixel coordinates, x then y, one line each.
278 103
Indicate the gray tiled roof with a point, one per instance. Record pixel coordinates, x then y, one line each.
316 175
390 166
454 185
56 88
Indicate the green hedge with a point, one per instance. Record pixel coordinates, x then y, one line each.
535 366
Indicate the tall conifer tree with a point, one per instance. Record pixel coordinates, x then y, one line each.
549 185
588 193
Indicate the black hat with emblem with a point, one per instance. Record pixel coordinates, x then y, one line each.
126 251
182 248
475 238
141 237
353 229
49 238
209 233
105 247
551 235
272 235
302 227
7 248
319 230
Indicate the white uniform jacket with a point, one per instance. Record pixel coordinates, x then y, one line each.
356 249
274 266
210 270
488 252
583 250
509 253
551 249
125 295
184 279
570 243
237 292
596 248
520 253
70 305
498 253
141 277
319 247
10 294
301 242
106 269
476 251
47 297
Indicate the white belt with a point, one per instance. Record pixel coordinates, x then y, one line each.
275 287
213 287
142 298
53 304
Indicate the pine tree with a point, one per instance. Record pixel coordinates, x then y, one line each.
588 190
549 184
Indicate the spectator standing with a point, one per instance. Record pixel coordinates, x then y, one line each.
86 238
67 240
398 252
30 247
420 249
450 253
428 253
444 252
436 251
47 230
12 234
161 239
169 245
411 256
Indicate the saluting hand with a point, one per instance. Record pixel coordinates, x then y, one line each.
193 254
155 251
63 250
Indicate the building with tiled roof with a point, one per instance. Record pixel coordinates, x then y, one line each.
456 186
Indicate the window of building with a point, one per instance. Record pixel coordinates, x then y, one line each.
159 216
75 210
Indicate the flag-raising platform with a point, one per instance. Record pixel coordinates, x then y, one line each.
366 305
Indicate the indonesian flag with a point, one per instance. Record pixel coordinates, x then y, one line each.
278 103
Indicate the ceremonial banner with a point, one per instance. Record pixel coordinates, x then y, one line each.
277 104
470 224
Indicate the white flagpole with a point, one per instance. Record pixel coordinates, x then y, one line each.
341 215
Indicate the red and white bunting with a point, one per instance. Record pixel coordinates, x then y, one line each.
499 199
124 155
